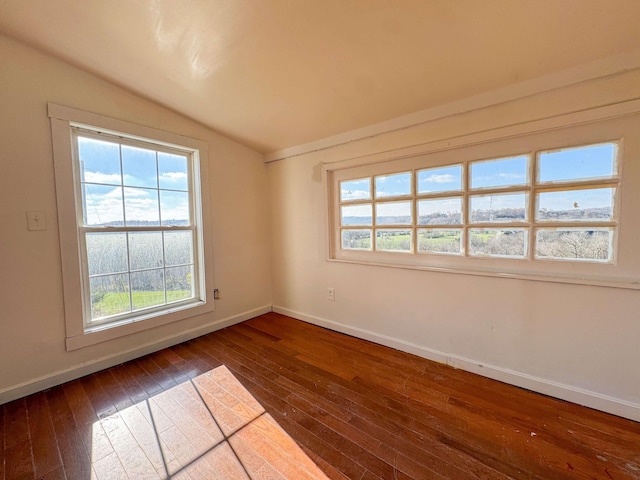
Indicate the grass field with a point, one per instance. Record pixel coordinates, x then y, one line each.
114 303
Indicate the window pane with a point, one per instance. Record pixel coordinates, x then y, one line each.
145 250
444 179
497 242
357 214
594 204
356 239
139 167
393 213
147 288
107 253
393 240
178 248
141 206
173 172
440 211
505 172
109 295
174 208
179 284
575 244
439 240
393 185
359 189
99 161
595 161
506 207
102 205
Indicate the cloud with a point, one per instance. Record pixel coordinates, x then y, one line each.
444 178
174 176
354 194
511 176
104 178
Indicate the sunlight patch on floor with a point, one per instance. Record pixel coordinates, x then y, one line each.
210 427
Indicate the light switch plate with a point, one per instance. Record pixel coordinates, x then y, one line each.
36 220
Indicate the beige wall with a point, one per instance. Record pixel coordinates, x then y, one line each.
577 342
32 333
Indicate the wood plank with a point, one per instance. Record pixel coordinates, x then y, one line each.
143 430
17 442
133 390
335 407
57 474
76 460
16 423
116 393
44 444
130 454
264 437
225 463
87 422
19 461
316 382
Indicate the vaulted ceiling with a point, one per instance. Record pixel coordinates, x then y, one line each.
279 73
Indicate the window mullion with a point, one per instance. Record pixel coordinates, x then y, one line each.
533 204
465 207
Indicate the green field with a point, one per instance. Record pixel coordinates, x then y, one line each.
114 303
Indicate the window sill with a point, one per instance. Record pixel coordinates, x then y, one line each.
103 333
624 283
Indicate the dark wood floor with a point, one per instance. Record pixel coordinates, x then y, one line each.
356 409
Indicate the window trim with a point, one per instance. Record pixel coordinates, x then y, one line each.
78 335
401 160
531 189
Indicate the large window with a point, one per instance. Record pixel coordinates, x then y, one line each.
139 229
548 206
131 216
544 205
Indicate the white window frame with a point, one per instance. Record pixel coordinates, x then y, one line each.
80 332
616 124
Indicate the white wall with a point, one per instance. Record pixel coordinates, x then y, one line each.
576 342
580 343
32 333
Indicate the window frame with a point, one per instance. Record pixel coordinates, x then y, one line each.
79 331
501 143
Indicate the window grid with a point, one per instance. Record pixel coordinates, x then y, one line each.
84 229
531 225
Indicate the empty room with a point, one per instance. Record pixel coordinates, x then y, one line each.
310 239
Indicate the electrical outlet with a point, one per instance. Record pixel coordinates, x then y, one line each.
216 294
332 294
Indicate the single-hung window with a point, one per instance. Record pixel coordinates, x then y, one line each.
132 211
138 230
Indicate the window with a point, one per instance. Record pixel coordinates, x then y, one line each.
492 208
133 198
546 205
138 233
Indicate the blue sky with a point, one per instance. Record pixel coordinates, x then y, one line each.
596 161
582 163
445 179
142 186
499 173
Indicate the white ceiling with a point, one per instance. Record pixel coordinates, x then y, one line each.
279 73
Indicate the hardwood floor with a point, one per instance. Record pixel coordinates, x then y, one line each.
277 398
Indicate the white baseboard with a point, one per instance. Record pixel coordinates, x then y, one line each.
569 393
42 383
